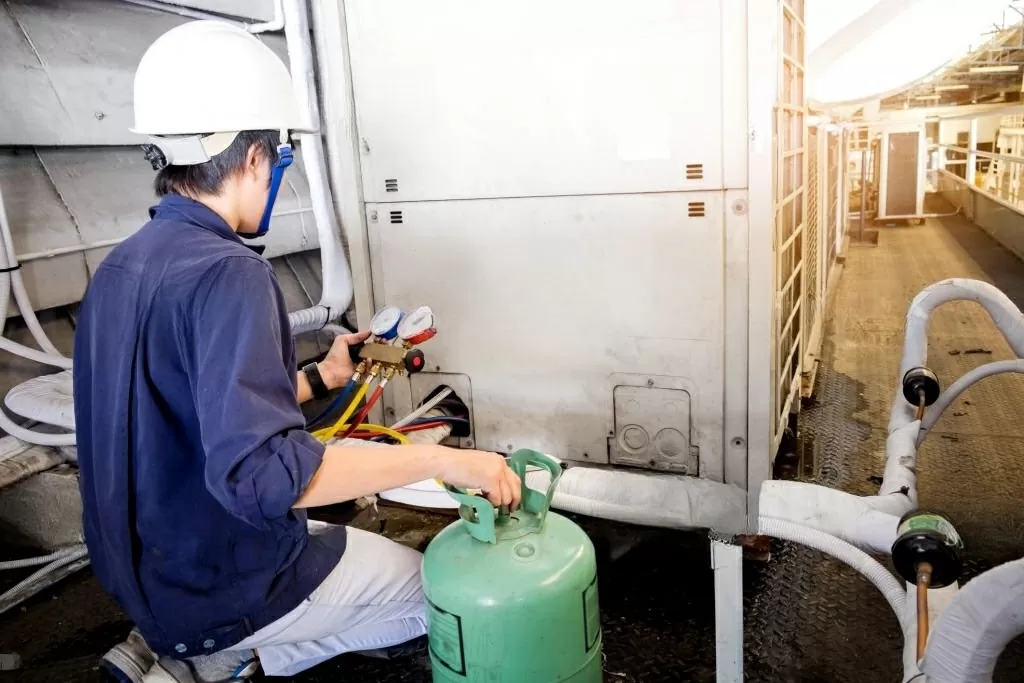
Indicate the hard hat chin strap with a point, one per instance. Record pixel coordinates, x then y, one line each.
284 160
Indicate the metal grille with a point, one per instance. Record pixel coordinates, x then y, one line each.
813 230
834 141
790 145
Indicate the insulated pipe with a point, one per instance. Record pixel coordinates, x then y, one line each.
938 600
1006 316
878 575
869 523
13 281
76 554
308 319
337 277
972 632
958 387
36 561
667 501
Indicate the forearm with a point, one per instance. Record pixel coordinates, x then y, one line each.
332 376
304 392
349 473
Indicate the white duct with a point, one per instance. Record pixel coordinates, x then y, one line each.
337 277
981 620
48 399
659 500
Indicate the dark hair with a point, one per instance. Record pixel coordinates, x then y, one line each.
208 177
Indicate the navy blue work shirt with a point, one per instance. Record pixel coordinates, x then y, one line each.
190 439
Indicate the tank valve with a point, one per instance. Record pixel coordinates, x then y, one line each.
927 554
921 389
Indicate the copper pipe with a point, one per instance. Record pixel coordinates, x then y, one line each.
924 580
920 406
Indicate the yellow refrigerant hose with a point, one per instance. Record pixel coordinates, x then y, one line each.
326 433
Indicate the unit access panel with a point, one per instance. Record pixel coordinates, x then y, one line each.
460 99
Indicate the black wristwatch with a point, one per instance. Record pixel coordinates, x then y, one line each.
316 382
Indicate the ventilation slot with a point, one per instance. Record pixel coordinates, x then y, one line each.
391 185
396 216
694 171
693 210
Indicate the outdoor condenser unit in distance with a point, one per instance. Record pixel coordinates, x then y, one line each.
580 193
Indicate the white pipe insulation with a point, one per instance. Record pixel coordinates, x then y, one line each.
970 634
972 625
659 500
12 280
938 600
868 523
337 277
1006 316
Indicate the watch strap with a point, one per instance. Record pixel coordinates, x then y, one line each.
316 381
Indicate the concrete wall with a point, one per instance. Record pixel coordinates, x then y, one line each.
1004 224
69 198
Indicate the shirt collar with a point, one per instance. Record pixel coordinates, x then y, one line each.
181 208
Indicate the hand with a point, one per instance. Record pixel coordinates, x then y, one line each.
482 470
337 368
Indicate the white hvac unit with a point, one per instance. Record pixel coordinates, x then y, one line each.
568 186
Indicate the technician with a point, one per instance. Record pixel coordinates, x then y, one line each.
195 467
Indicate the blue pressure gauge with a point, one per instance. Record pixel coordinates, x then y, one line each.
385 323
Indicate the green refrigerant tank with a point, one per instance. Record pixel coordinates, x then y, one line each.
512 598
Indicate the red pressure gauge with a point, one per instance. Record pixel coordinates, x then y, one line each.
418 326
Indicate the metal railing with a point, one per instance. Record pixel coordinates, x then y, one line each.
998 176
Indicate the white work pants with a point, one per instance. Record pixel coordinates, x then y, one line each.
373 599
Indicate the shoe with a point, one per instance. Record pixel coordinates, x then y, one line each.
128 662
220 667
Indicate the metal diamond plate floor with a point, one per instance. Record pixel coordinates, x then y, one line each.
807 618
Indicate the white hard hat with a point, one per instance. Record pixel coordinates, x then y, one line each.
202 83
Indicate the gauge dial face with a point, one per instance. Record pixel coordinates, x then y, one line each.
385 321
417 322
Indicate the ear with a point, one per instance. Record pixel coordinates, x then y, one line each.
253 162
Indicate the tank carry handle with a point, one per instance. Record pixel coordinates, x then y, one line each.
486 523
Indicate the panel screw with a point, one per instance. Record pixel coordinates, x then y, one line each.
100 116
373 216
739 207
737 442
650 383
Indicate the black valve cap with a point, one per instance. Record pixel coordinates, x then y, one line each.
414 361
918 382
924 536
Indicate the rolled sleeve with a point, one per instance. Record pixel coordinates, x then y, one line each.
259 458
272 489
